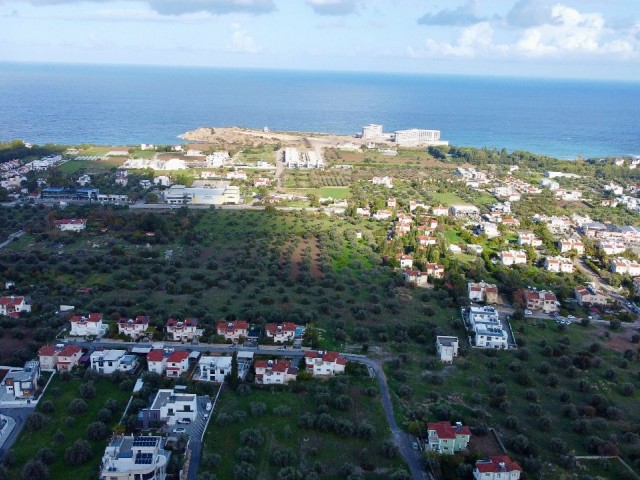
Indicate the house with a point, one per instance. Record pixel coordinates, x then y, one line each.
177 363
513 257
483 292
460 211
406 261
22 384
447 348
382 215
12 306
487 328
528 238
474 249
83 180
68 358
90 325
497 468
281 333
434 270
413 206
135 457
401 229
48 356
624 266
455 249
324 362
589 295
447 439
440 211
541 300
183 331
216 368
71 224
558 264
233 331
425 241
612 247
274 372
157 360
134 328
568 195
108 361
571 244
386 181
172 406
419 279
392 203
510 222
363 212
489 229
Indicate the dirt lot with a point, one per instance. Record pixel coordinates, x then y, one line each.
484 445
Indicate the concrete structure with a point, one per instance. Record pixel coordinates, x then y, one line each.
182 195
233 331
293 158
372 131
177 363
541 300
274 372
172 406
486 326
447 439
134 328
497 468
90 325
528 238
183 331
22 384
571 244
282 333
513 257
558 264
216 368
483 292
414 137
68 358
13 305
108 361
48 356
385 181
324 363
406 261
447 348
589 295
129 458
460 211
415 277
71 224
612 247
624 266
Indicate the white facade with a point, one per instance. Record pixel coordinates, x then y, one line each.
513 257
624 266
71 225
214 369
87 326
323 363
129 458
181 195
108 361
558 265
571 244
447 348
371 131
174 406
278 372
415 136
528 238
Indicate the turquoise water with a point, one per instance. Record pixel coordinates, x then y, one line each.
128 105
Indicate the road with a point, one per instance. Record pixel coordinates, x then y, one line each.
12 237
19 414
400 437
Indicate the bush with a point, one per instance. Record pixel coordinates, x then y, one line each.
97 431
282 411
258 409
47 406
244 471
343 402
246 454
34 422
627 389
283 457
545 423
88 390
77 406
252 437
520 444
557 445
35 470
389 450
210 460
512 422
78 453
344 428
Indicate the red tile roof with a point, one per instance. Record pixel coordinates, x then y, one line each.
233 326
155 356
285 327
71 221
178 356
493 465
47 350
187 322
92 318
69 351
11 301
446 430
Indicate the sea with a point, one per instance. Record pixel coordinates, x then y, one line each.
128 105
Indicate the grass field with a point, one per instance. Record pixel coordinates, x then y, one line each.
313 449
447 199
72 426
97 167
335 192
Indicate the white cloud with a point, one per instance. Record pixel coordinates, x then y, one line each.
241 41
333 7
475 40
466 14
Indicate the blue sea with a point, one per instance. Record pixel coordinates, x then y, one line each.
118 105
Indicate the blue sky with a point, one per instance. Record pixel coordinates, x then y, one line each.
563 38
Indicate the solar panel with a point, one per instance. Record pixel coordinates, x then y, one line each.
144 441
144 458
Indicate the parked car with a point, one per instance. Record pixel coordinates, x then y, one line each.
179 430
528 312
571 317
184 421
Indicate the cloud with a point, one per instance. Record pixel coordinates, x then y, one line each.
475 40
463 15
181 7
333 7
241 41
529 13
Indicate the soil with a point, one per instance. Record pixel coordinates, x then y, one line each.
485 446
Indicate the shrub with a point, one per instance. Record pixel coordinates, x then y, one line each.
282 411
78 453
97 431
258 409
545 423
47 406
35 470
88 390
210 460
283 457
77 406
244 471
344 428
557 445
34 422
246 454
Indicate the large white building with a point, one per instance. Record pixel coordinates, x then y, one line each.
90 325
108 361
134 328
324 363
372 131
129 458
22 384
181 195
293 158
625 266
447 348
414 137
183 331
215 369
171 406
13 306
487 328
275 372
558 264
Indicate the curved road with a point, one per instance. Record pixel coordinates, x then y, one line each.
400 437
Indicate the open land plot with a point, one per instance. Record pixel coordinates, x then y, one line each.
62 428
97 167
316 421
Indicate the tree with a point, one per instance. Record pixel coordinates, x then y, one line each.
244 471
232 377
97 431
4 194
34 422
151 198
77 406
46 456
78 453
35 470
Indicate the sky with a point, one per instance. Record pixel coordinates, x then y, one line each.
534 38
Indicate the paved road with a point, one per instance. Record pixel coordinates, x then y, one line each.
12 237
19 415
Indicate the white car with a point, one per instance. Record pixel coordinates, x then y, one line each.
179 430
528 312
571 317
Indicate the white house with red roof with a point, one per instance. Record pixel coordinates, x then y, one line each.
48 357
382 215
434 270
589 295
497 468
541 300
612 247
571 244
558 264
71 224
82 326
406 261
625 266
282 333
274 372
440 211
177 363
134 327
416 277
447 439
233 331
324 363
425 240
513 257
157 360
529 238
183 331
391 202
68 358
12 306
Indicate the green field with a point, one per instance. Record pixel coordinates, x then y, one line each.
319 449
337 193
97 167
448 199
71 426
